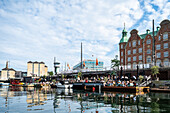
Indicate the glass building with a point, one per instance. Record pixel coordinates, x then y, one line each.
89 65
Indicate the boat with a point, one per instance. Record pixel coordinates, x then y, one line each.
62 84
126 89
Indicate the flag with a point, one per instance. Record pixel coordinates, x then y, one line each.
84 63
97 62
68 66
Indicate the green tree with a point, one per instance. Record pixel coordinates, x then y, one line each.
155 70
80 74
115 62
50 73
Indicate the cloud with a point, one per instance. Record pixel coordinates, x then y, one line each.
39 30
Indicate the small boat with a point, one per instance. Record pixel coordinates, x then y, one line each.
64 84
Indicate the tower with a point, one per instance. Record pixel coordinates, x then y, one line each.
56 66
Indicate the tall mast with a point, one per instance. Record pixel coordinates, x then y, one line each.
81 56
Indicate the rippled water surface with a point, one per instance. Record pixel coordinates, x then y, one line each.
46 100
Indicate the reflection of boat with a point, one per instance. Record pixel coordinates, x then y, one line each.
125 89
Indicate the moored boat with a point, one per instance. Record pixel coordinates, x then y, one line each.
125 89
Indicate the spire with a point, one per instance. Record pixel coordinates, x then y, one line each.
124 35
7 64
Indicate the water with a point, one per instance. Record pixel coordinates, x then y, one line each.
46 100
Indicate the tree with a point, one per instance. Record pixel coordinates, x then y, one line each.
155 70
115 62
50 73
80 74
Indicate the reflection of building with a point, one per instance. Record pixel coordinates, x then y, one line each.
7 73
36 98
89 65
36 69
139 49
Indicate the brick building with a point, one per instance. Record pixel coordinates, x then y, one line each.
140 49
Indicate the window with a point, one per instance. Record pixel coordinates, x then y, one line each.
165 45
158 63
165 36
148 41
129 66
129 52
122 53
134 51
166 54
158 47
138 42
121 60
140 57
158 55
134 58
121 46
134 43
140 50
134 65
159 38
129 44
166 62
129 59
148 51
148 59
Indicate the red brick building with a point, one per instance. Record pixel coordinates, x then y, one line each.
140 49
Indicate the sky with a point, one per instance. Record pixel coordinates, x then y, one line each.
39 30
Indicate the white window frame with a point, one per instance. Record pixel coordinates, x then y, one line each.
122 53
134 58
129 52
148 41
165 36
140 50
134 43
158 55
165 45
159 38
140 57
150 59
129 59
121 46
166 54
158 47
148 51
134 51
138 42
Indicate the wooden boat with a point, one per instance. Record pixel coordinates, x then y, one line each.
125 89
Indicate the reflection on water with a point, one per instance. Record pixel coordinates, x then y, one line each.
22 99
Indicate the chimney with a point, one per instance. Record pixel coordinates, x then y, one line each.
147 31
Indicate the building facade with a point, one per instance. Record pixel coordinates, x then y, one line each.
7 73
145 50
89 65
36 69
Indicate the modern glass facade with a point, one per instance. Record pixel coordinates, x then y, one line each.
89 65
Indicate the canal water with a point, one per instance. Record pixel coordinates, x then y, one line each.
46 100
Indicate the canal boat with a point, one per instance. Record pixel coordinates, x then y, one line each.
125 89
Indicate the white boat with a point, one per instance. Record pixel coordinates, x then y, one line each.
64 84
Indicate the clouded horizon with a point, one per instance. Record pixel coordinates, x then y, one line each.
39 30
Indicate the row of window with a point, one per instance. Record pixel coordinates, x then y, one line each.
158 55
158 47
165 37
158 63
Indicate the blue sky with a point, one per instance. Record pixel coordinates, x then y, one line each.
38 30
